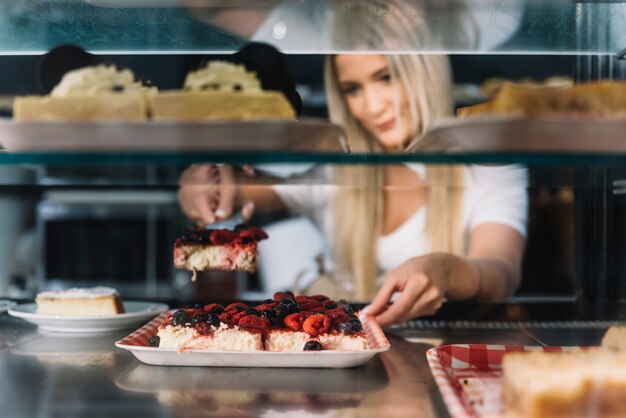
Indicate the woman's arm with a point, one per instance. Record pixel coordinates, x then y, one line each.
490 272
495 256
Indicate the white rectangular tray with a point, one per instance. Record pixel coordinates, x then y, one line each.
137 343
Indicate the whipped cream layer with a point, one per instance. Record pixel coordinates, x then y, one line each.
220 338
202 258
282 340
99 80
73 293
279 340
223 76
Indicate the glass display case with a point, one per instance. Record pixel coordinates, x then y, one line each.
162 40
96 203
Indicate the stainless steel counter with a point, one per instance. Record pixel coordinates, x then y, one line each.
46 374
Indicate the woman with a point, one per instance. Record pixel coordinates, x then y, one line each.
439 232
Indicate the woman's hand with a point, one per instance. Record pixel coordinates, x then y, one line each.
207 193
422 283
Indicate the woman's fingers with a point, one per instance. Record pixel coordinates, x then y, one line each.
198 193
247 211
205 212
432 301
209 193
185 199
199 174
227 193
380 301
402 308
426 301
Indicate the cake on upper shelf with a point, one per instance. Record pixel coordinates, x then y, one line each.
284 323
80 302
96 93
221 91
598 99
218 249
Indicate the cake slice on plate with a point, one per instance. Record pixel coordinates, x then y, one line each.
218 249
80 302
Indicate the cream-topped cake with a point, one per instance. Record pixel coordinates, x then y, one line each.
221 91
597 99
285 323
80 302
96 93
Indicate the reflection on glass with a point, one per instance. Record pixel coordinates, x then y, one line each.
313 25
370 25
256 392
71 349
428 232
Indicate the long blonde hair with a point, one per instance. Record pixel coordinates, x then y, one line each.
358 204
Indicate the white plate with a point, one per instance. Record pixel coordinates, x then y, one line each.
137 343
5 304
136 313
268 135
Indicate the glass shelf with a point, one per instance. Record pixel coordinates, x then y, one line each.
113 159
548 141
314 26
305 134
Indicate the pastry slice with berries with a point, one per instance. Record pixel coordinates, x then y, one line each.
219 249
284 323
211 327
314 323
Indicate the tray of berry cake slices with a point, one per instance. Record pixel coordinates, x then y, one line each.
286 331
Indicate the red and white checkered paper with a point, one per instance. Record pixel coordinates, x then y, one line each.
140 337
375 336
469 376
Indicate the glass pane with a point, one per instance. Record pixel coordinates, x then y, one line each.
315 26
281 158
94 225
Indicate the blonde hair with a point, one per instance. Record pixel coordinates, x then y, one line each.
358 204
